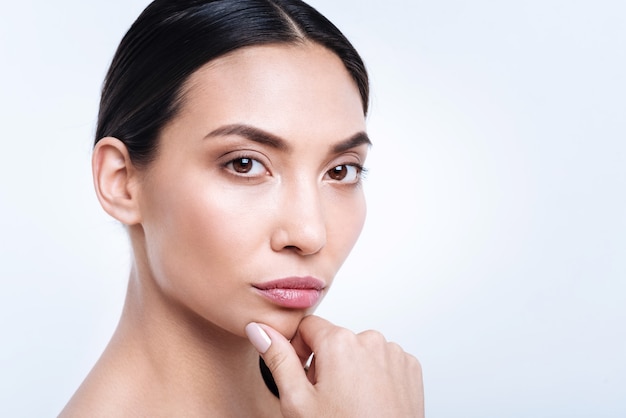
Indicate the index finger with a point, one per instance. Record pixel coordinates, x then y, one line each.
311 332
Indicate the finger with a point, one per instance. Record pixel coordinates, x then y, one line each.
281 358
302 349
312 338
312 332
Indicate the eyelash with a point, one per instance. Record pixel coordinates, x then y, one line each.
230 165
359 175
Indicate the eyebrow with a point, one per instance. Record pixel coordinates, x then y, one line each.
251 133
356 140
265 138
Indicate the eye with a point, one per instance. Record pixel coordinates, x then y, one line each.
345 173
246 166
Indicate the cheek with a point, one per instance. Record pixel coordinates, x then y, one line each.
196 234
344 225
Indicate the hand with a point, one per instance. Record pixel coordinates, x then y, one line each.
352 375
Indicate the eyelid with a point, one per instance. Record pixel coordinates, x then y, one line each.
232 156
354 157
360 174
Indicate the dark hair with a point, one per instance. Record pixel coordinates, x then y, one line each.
171 39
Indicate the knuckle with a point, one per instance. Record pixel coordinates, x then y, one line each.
414 364
343 333
339 334
372 337
275 360
395 348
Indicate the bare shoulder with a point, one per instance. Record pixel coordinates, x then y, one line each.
110 389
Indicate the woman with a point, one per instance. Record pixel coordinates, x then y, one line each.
230 143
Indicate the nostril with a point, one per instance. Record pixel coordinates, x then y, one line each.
299 250
296 238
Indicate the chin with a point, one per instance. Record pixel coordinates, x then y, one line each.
286 322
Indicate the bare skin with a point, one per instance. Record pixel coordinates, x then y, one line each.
221 211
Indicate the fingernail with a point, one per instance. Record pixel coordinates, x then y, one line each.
258 337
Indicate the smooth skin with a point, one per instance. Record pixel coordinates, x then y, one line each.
256 178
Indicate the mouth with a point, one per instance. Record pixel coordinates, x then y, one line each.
292 292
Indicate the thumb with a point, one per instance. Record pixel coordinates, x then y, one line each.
281 359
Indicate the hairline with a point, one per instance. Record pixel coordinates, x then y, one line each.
187 85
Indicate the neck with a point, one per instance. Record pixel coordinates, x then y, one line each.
182 362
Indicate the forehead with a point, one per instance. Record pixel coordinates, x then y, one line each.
282 88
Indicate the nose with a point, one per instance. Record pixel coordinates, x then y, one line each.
300 224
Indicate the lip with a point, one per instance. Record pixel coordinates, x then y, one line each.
292 292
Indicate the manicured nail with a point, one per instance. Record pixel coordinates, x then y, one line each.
258 337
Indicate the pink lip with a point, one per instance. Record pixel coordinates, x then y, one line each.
292 292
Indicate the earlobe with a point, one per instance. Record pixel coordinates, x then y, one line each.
115 180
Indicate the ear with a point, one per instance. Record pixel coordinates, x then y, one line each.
115 179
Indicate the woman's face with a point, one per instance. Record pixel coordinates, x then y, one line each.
254 200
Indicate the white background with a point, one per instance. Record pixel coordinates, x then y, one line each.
495 248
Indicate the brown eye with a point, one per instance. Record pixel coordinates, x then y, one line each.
338 173
242 165
247 167
345 173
